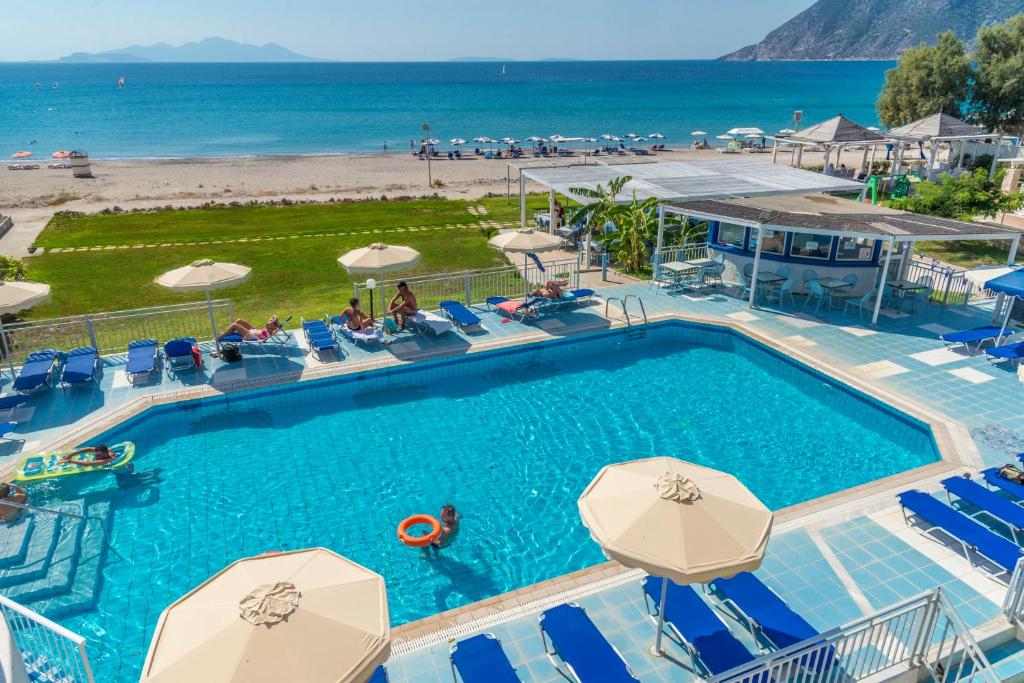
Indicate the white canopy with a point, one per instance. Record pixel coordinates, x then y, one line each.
699 133
379 258
746 131
18 295
204 275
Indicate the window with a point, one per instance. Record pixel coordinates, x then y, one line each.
731 234
774 240
855 249
811 246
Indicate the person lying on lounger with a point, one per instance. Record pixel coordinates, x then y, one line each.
250 332
403 305
356 320
552 289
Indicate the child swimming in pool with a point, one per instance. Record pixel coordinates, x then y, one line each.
449 526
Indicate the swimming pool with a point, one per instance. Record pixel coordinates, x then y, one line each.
510 437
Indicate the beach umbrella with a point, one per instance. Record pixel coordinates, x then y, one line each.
526 241
656 136
307 616
786 131
62 154
724 137
746 131
23 154
15 296
676 520
699 133
874 129
378 259
630 135
205 275
458 142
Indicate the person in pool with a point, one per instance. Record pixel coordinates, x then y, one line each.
356 319
101 454
449 526
250 332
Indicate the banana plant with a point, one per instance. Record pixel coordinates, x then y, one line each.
596 213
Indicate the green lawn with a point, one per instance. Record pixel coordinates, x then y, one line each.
295 276
967 254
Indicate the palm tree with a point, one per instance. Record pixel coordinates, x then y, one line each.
637 225
596 213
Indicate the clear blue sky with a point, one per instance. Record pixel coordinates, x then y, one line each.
383 30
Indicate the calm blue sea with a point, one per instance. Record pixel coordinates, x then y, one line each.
170 110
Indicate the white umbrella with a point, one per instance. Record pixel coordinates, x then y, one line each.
457 142
307 616
699 133
525 241
536 138
656 136
724 137
19 295
786 131
746 131
630 135
874 129
677 520
378 259
205 275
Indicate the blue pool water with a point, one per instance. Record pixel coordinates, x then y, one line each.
510 437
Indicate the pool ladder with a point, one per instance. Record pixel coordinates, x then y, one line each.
633 331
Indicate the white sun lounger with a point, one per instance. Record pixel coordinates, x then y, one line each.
425 321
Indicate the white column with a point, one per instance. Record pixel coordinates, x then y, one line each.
871 161
963 148
905 259
775 150
864 160
799 155
661 241
522 201
757 266
932 154
1014 245
881 282
551 210
828 153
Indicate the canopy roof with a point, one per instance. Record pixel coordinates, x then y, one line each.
689 180
1011 284
836 130
822 214
936 126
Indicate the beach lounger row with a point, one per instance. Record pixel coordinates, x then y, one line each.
320 337
75 367
999 351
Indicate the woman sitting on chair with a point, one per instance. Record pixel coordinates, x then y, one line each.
355 319
250 332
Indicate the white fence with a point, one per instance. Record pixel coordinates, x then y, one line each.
922 633
475 286
50 651
112 332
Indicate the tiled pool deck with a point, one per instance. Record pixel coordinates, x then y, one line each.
831 566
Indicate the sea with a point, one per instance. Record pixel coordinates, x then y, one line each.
203 110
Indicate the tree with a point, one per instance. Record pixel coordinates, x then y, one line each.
596 214
636 224
11 268
997 102
926 80
965 197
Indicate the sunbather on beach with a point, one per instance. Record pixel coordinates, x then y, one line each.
356 319
249 331
403 305
552 289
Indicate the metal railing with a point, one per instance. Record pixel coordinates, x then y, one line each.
923 633
687 252
474 286
1013 604
50 651
112 332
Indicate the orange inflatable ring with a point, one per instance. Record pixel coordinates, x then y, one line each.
419 541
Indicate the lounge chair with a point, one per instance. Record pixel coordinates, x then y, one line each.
976 335
971 535
480 659
425 321
279 336
6 429
178 355
763 611
141 358
340 323
380 675
570 637
702 632
80 366
37 370
524 308
582 296
994 481
988 502
9 403
1007 352
459 314
319 337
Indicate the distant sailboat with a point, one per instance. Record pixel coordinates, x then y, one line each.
120 82
502 69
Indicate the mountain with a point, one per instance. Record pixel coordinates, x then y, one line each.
874 29
206 50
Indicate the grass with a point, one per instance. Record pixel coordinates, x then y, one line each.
967 254
297 276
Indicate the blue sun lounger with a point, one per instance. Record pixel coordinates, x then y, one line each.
319 337
141 358
994 481
178 354
80 366
710 643
480 659
972 536
9 403
976 336
988 502
37 370
459 314
571 637
1007 352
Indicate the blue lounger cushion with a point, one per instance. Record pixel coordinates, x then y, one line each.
179 348
1014 351
975 335
582 293
13 401
969 532
36 370
774 618
579 643
141 357
694 620
992 478
80 366
7 428
989 501
480 659
380 675
459 314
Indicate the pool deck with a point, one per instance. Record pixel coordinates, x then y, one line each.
832 563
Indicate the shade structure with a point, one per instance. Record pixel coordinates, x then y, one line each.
677 520
307 616
61 154
23 154
18 295
378 258
205 275
837 129
935 126
526 241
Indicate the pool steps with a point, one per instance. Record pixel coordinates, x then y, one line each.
14 541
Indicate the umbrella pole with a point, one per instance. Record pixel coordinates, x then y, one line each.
1006 320
656 650
526 277
213 322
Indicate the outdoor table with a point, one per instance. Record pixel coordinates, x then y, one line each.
676 271
831 284
768 279
699 263
904 286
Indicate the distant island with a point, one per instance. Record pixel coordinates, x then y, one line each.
873 29
206 50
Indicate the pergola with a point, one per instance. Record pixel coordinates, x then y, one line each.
834 133
939 128
825 215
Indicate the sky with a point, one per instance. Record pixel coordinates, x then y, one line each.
400 30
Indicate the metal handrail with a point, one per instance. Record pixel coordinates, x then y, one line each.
37 636
640 301
51 511
622 306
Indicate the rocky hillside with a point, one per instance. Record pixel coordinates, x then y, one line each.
874 29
